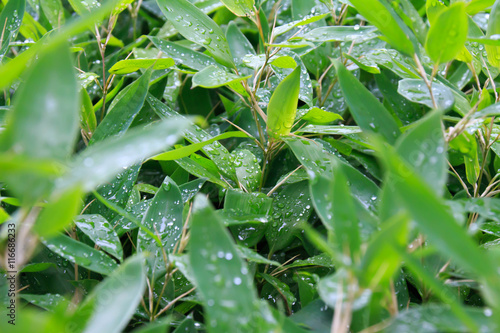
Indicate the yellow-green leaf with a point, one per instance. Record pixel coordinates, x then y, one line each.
132 65
283 105
494 29
448 34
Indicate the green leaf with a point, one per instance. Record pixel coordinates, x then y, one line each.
423 147
88 121
447 36
416 91
101 232
29 179
253 256
283 105
80 254
238 43
291 207
369 114
476 6
32 268
10 21
200 171
58 213
284 62
248 169
197 27
11 70
213 77
345 220
44 123
194 134
240 7
54 11
435 220
183 55
433 8
306 91
251 210
123 110
340 34
282 288
132 65
335 288
117 297
316 115
280 30
318 162
438 318
493 52
332 129
193 148
163 218
101 161
222 278
380 14
383 248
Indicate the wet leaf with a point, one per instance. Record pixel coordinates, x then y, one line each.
80 254
369 114
380 14
283 105
164 219
46 103
447 34
213 77
197 27
123 110
341 34
117 297
221 276
10 21
101 232
132 65
183 55
240 7
103 160
416 91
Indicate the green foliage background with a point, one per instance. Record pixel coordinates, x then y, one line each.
250 165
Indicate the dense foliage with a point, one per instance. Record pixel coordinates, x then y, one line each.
250 166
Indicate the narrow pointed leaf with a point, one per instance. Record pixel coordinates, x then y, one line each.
221 276
58 213
369 114
101 232
448 34
380 14
10 21
283 105
163 218
492 51
195 134
197 27
44 123
193 148
416 91
81 254
435 221
213 77
240 7
183 55
124 109
103 160
117 297
132 65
